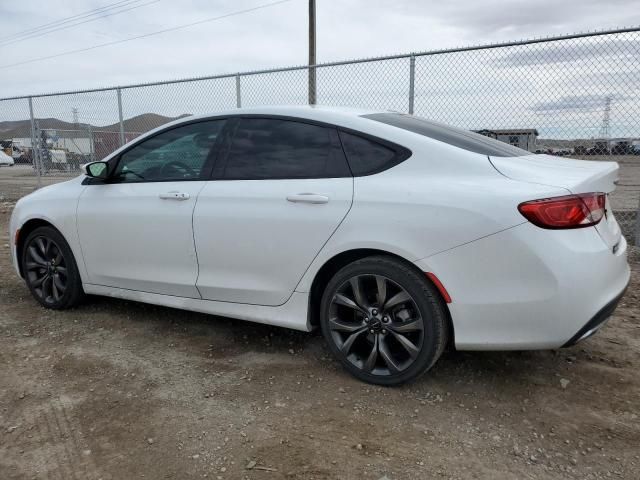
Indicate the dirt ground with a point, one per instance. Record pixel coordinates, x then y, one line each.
120 390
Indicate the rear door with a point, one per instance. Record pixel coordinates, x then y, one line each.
136 228
277 196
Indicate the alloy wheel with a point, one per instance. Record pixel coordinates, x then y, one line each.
46 269
376 324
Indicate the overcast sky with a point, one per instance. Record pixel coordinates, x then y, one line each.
269 37
557 88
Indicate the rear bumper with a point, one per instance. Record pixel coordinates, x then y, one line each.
527 288
597 321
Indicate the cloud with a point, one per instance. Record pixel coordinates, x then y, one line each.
575 102
574 51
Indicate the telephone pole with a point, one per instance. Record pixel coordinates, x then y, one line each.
312 52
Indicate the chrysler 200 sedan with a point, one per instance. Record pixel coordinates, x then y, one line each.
395 235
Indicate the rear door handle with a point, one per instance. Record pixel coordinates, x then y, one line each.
174 196
308 198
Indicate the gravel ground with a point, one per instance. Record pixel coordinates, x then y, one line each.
120 390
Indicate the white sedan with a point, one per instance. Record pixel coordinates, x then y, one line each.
6 160
395 235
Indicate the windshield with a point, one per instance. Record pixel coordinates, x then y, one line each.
457 137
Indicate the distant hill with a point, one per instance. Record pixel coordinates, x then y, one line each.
139 123
22 128
142 123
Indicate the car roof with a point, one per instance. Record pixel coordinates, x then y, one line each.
320 113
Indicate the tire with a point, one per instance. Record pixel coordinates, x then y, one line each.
393 301
54 285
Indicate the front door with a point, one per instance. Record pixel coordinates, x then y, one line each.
136 228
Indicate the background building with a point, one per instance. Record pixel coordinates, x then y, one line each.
524 138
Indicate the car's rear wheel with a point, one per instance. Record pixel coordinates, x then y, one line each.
50 269
384 321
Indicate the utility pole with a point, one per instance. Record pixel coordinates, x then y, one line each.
312 52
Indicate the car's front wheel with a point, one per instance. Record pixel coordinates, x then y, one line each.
50 269
384 321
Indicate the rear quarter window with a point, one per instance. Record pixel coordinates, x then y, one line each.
368 156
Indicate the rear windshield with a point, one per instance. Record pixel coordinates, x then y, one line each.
457 137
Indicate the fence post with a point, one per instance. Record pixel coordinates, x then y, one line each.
35 147
92 151
312 85
412 77
637 239
238 97
122 139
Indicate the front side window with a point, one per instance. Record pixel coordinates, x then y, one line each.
268 148
177 154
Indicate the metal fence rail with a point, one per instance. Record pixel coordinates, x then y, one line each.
572 95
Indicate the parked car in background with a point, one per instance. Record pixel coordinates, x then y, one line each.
6 160
396 236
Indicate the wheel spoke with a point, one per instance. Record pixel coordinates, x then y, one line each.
62 270
410 326
35 256
407 344
58 258
348 343
386 356
381 283
397 299
340 299
38 281
47 286
43 247
370 363
58 283
340 326
35 266
357 292
54 290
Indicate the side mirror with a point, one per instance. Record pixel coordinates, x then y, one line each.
97 170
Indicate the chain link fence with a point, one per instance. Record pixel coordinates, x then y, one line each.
575 95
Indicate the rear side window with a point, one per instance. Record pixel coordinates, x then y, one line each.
267 148
367 157
457 137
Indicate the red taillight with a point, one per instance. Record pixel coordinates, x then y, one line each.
570 211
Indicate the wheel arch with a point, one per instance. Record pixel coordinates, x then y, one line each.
28 227
340 260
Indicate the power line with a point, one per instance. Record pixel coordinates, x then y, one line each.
157 32
64 27
68 19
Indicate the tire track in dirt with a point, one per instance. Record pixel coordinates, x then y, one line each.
58 443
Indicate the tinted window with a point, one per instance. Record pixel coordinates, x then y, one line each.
366 156
177 154
457 137
271 148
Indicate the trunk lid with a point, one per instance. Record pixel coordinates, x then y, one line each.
577 176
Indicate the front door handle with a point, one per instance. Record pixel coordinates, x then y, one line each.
308 198
174 196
